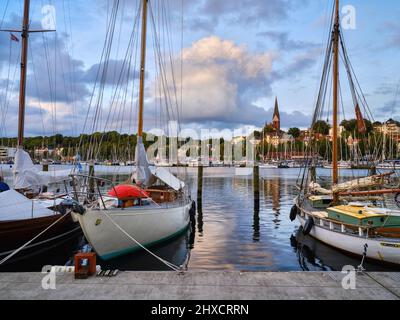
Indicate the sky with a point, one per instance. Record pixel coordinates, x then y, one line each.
228 59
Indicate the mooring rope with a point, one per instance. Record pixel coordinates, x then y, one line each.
33 239
167 263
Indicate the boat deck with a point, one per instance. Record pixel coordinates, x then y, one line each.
198 285
323 215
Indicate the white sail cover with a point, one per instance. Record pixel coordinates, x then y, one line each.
15 206
167 177
142 175
26 175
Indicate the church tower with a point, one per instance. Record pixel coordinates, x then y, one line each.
276 119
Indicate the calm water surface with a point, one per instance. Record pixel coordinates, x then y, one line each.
229 234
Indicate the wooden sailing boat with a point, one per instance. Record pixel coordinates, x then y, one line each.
21 217
332 215
153 207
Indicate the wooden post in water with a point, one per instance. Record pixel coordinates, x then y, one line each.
256 187
199 187
45 168
91 179
313 173
372 170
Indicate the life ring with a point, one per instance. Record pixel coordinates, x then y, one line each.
308 226
293 213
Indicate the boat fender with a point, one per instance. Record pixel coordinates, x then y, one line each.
78 208
61 209
308 226
294 212
397 199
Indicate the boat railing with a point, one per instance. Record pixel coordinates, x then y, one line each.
355 230
93 194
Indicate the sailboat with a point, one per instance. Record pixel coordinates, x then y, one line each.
152 207
351 216
24 211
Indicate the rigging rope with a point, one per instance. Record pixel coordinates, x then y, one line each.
33 239
168 264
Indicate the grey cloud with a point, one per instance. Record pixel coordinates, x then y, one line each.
253 115
249 11
116 72
285 43
393 30
299 64
388 108
386 89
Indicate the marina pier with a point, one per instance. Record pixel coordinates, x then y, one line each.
199 150
147 285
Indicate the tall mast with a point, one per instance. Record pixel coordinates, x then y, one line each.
142 67
22 85
335 176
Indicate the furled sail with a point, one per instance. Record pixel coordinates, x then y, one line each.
316 188
142 175
26 175
366 182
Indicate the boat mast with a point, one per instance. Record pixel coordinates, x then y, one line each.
336 34
22 81
142 67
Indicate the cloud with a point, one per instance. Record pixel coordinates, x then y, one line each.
393 30
285 43
221 80
388 108
299 64
387 89
53 71
248 11
116 73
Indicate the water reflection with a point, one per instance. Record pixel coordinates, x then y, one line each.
315 256
234 230
256 225
272 192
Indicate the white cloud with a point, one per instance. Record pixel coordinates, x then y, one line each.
217 75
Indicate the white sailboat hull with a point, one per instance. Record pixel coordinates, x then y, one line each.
378 249
268 166
148 226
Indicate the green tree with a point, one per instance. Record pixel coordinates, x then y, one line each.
294 132
321 127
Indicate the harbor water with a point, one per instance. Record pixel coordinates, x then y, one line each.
229 232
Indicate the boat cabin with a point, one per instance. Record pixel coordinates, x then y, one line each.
362 215
321 201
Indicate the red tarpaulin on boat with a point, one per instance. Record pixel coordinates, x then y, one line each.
124 191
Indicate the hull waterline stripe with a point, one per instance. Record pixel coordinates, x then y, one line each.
115 254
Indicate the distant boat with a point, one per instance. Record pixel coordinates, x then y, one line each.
389 165
269 165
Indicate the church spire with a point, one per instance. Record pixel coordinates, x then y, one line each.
276 119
